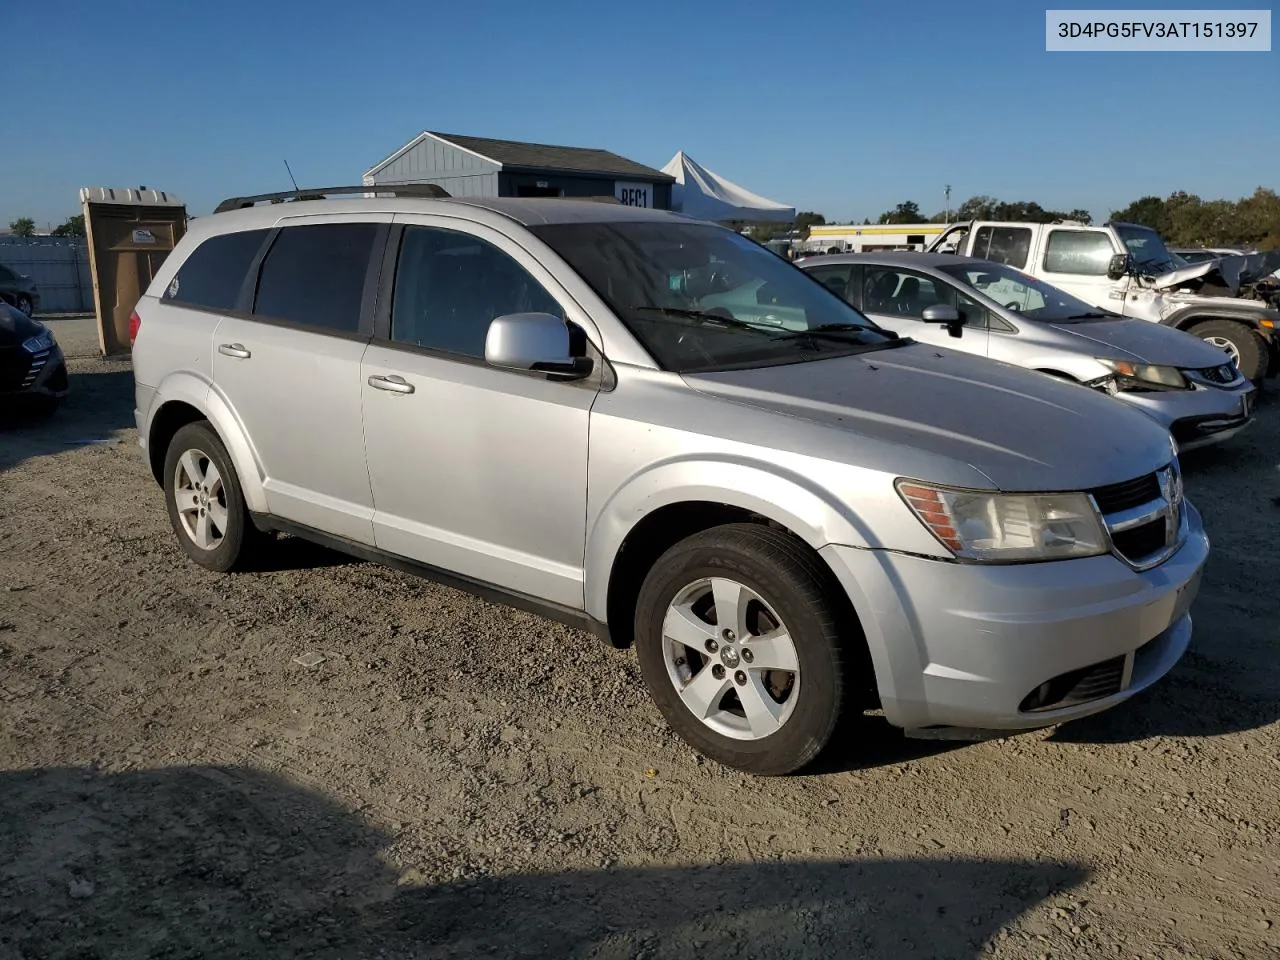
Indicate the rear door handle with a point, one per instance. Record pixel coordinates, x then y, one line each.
395 384
236 350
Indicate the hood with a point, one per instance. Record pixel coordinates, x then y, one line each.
1145 342
1023 431
1231 273
16 326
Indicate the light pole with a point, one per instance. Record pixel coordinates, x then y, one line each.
946 192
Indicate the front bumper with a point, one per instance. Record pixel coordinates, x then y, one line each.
1198 417
42 374
972 646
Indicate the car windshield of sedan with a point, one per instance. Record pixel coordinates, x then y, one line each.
702 298
1024 295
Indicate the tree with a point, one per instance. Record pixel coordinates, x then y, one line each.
71 227
806 219
980 207
23 227
1149 211
906 212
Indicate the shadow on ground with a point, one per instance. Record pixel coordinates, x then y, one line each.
99 404
230 862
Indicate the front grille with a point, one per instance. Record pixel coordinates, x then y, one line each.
1077 686
37 364
1224 373
1116 497
15 364
1138 543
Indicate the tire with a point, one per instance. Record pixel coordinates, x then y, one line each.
786 584
23 303
1250 350
194 449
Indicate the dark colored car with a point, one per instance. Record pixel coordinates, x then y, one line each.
32 368
18 290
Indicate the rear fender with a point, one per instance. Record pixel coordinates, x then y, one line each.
188 388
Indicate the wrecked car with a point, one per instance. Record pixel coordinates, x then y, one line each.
1232 303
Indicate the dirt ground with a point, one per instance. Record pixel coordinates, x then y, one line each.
456 779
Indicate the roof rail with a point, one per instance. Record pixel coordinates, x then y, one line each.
318 193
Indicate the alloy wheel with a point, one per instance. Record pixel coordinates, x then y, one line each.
731 659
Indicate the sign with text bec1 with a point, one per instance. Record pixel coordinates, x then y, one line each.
633 194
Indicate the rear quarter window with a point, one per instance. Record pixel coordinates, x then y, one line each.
211 277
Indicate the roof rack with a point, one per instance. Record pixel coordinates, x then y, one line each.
430 190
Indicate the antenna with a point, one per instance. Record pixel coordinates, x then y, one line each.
296 188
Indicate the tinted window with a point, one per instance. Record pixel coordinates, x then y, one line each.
7 275
450 285
901 293
315 275
213 274
1077 251
834 276
1002 244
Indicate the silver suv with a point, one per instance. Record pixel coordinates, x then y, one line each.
791 512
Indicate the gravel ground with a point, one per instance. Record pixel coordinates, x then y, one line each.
455 779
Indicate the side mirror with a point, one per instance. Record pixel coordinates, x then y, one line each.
946 315
1118 266
535 342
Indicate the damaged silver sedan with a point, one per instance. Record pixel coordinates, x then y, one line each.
978 306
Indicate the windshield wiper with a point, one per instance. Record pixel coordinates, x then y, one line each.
719 319
1086 316
830 330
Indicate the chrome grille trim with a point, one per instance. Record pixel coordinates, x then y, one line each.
1167 509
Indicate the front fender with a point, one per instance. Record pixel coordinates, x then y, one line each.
1266 322
193 390
806 509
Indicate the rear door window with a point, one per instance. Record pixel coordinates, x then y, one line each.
315 275
214 273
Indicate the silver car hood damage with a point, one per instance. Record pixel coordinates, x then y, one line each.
1228 277
1021 430
1143 342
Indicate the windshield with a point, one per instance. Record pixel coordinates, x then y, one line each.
1024 295
702 298
1147 249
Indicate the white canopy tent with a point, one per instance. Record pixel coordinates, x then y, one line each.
700 193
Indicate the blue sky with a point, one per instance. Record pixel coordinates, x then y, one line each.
839 106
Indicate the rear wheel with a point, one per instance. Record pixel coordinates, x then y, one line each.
206 507
742 648
1241 343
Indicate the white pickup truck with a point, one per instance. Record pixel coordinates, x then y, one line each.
1233 303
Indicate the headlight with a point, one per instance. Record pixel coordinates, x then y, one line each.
1146 373
41 341
1006 528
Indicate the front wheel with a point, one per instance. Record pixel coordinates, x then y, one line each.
743 649
24 304
1241 343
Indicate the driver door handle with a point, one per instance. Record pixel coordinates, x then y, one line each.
395 384
236 350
